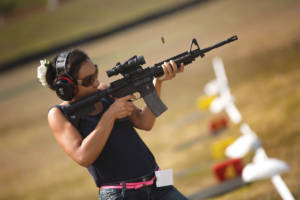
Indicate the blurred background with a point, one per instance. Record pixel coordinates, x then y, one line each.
262 69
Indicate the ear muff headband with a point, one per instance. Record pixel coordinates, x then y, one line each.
61 61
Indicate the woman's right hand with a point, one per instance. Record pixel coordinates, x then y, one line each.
122 107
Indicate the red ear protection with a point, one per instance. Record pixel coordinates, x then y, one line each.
65 86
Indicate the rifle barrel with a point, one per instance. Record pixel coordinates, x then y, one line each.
231 39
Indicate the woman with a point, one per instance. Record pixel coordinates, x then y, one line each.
117 158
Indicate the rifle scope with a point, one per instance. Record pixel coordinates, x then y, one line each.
129 65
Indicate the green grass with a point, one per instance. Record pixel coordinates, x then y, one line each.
262 68
69 22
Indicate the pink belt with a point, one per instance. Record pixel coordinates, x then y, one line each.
135 186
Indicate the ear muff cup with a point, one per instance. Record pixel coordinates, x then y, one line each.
66 88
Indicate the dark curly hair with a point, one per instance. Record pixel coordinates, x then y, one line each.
73 64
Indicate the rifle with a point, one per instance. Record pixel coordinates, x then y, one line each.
136 79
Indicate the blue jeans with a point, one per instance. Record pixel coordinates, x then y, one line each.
144 193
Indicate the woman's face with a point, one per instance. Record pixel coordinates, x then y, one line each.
87 79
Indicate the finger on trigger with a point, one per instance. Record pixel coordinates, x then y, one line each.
126 98
133 96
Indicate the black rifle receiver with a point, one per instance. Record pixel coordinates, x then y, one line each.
136 79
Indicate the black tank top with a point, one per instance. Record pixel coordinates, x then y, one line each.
125 156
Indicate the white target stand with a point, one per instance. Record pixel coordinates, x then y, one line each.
261 167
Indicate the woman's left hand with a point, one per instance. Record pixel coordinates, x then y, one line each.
170 70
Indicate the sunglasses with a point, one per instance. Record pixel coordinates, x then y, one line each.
89 80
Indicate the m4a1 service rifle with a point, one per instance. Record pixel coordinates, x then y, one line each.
136 79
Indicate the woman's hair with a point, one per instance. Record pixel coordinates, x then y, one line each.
75 59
